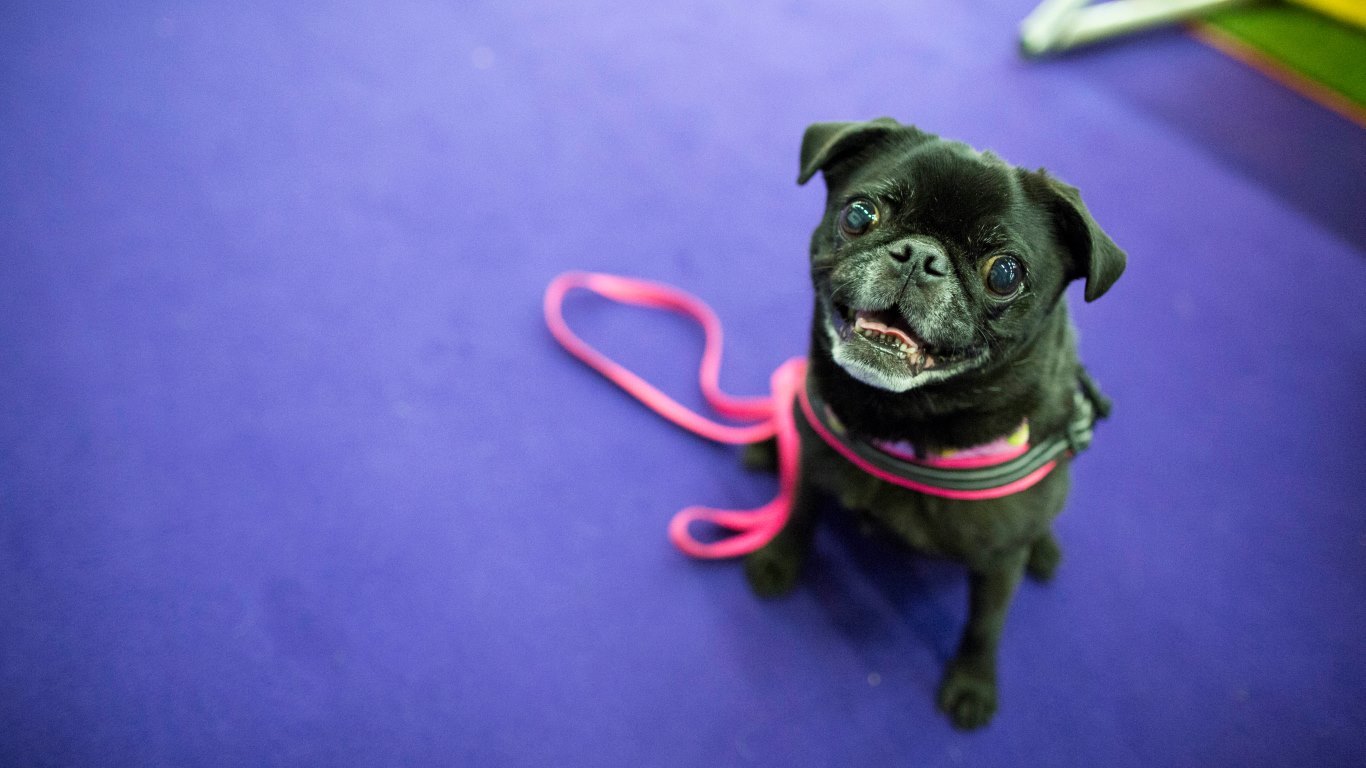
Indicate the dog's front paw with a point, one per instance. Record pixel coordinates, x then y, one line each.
968 696
772 571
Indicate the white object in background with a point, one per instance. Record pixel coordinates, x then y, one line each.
1060 25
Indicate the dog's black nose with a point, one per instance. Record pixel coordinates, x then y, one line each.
923 255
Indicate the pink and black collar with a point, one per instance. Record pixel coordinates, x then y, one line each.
1006 466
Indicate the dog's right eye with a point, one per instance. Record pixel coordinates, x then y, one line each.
858 217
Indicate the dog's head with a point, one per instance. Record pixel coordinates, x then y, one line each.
933 260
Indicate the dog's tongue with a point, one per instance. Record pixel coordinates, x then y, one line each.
863 319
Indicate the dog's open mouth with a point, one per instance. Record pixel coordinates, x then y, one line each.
889 332
880 347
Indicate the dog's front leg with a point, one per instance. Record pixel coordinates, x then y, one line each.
772 570
968 693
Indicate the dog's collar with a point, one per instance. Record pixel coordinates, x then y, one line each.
1000 468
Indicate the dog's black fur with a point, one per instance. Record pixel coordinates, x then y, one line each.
943 211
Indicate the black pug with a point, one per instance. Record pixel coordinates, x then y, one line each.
940 324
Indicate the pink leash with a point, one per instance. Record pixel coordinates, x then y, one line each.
768 416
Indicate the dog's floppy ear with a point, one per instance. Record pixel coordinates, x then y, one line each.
825 143
1094 255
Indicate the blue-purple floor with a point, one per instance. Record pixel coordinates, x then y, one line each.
291 473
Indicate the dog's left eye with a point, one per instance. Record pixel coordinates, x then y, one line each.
1003 275
858 217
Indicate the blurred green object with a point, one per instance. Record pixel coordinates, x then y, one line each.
1318 47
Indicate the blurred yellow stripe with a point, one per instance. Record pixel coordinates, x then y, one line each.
1350 11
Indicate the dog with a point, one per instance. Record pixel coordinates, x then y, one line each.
940 325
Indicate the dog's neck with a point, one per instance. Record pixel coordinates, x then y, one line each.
968 410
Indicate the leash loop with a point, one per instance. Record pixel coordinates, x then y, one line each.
770 417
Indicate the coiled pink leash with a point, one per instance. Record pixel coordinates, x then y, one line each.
770 416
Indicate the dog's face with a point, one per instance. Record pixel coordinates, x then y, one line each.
933 260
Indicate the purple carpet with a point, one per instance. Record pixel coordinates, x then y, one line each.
292 474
